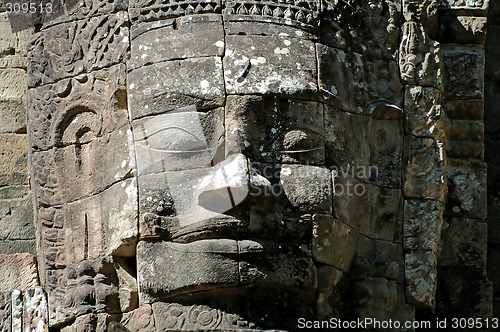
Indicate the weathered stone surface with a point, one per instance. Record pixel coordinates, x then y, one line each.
5 312
374 83
381 215
247 17
459 285
455 250
69 49
284 227
250 67
378 23
378 258
307 188
16 246
261 175
65 174
403 311
465 139
425 116
63 11
271 130
17 310
169 205
466 189
85 323
16 214
328 278
100 225
275 188
78 110
151 10
192 140
420 278
461 7
18 272
271 265
13 159
13 83
367 148
425 169
166 40
168 86
89 286
12 100
140 320
421 59
16 30
492 143
422 224
472 109
257 25
177 317
462 29
463 72
12 115
215 266
35 310
374 297
328 236
14 62
262 263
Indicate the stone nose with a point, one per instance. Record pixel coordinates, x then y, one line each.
228 184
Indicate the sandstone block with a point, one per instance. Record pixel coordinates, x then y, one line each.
18 271
368 148
250 67
466 189
171 85
463 72
273 130
181 38
372 81
78 47
455 250
13 159
334 243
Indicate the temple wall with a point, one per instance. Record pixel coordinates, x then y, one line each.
492 146
441 224
16 212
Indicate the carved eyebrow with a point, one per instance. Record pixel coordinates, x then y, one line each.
165 129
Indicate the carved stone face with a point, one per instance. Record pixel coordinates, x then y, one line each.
230 157
266 147
236 142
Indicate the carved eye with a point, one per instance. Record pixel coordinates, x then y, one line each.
297 140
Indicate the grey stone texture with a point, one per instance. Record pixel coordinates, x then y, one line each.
492 144
235 165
